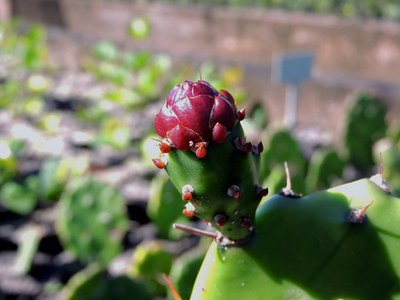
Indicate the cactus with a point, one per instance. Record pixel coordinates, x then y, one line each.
96 283
149 262
365 124
280 147
163 208
324 169
92 221
185 268
387 152
337 243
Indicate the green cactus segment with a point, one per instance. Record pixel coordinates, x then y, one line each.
222 185
280 147
365 124
185 269
324 169
387 152
149 262
92 221
96 283
164 207
309 245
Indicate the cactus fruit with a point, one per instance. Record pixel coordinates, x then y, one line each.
337 243
217 177
365 124
96 283
92 221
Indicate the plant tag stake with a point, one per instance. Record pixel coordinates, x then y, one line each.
292 69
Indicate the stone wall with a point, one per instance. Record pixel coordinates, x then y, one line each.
351 55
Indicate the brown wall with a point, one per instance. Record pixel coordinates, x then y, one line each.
350 55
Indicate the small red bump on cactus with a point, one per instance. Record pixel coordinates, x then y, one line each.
219 133
188 213
234 192
200 149
190 113
220 219
242 114
164 147
159 163
246 223
187 192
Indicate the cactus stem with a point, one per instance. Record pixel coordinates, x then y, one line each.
234 192
358 216
242 114
187 192
220 219
195 231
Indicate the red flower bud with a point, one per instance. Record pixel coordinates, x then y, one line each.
195 112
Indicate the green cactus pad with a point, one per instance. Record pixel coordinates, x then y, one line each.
326 166
165 207
280 146
92 221
96 283
149 262
214 180
365 124
310 248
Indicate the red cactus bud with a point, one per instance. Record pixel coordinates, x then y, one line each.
191 114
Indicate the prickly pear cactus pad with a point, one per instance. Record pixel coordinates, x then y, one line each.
207 158
341 243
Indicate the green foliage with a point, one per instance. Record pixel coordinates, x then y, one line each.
149 262
324 170
92 221
365 124
280 147
164 207
387 153
185 269
96 283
